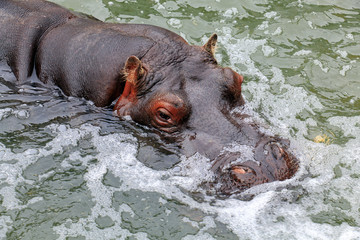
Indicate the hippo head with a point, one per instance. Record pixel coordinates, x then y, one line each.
186 94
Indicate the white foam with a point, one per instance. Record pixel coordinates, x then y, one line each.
66 136
231 12
350 36
264 25
311 25
5 226
268 51
207 223
302 53
278 31
175 23
348 124
342 53
193 171
20 114
345 69
271 14
4 113
134 175
318 63
240 52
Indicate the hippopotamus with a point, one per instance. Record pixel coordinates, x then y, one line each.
152 75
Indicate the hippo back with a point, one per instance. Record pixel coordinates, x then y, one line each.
85 58
22 24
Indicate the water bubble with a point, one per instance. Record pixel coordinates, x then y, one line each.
318 63
278 31
344 70
342 53
159 6
175 23
302 53
310 24
177 169
268 51
31 152
62 128
350 36
264 25
4 113
270 14
231 12
22 114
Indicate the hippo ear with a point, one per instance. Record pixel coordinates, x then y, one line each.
133 71
210 46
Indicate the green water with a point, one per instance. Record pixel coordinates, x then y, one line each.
69 170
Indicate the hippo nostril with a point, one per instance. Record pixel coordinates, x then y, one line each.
242 170
277 151
281 163
242 173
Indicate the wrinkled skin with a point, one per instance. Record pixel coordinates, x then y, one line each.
156 78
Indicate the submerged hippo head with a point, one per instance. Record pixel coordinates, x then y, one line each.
194 98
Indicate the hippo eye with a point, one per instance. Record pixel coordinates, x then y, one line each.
163 115
167 112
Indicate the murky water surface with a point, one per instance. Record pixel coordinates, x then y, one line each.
70 170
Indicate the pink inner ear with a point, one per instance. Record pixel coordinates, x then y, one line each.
126 100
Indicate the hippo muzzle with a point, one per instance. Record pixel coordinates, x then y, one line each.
272 162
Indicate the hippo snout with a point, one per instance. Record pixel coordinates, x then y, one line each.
271 162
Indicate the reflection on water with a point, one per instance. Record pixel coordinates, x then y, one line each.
69 170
